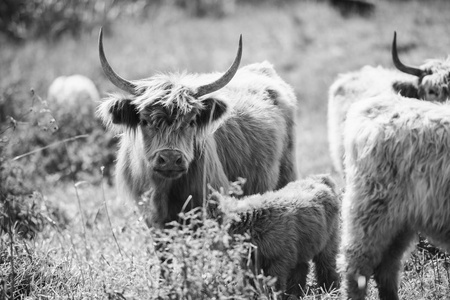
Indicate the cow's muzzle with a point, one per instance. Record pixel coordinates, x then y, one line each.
170 164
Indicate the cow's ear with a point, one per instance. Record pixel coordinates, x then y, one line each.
119 112
124 112
212 110
406 89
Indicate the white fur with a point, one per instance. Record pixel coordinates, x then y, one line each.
397 168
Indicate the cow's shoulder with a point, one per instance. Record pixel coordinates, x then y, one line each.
264 68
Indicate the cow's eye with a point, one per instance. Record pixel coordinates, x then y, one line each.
192 123
144 122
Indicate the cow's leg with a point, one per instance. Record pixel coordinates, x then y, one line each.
279 268
296 282
358 268
387 273
154 208
369 231
281 280
325 264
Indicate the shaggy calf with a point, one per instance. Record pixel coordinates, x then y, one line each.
397 184
290 227
429 82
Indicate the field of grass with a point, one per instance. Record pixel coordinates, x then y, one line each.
105 251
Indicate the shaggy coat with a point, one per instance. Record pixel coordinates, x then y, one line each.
397 184
348 89
431 85
245 129
290 227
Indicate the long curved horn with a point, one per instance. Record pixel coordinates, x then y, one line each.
399 65
225 79
118 81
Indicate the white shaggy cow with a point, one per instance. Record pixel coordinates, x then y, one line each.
429 82
74 93
180 132
71 90
397 168
290 227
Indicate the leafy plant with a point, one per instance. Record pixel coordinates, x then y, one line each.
21 207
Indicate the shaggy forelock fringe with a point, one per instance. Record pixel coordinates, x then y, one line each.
174 91
169 91
436 65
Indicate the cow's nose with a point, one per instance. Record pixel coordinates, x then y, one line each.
169 160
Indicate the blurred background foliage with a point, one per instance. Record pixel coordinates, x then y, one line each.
50 19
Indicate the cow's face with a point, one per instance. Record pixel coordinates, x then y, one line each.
170 130
432 78
434 84
169 115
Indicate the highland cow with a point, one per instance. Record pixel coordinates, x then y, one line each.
290 227
180 132
430 82
397 168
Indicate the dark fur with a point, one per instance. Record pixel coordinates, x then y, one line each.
406 89
290 227
124 112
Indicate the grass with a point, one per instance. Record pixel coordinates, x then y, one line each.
309 44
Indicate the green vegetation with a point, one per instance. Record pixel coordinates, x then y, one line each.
64 235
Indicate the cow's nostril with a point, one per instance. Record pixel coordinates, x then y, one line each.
179 161
161 160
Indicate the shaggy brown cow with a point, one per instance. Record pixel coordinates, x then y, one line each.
290 227
430 83
398 183
181 131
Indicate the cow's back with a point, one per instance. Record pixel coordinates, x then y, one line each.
257 140
348 89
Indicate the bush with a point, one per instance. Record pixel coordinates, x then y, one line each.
54 144
22 19
21 207
25 19
214 8
200 260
